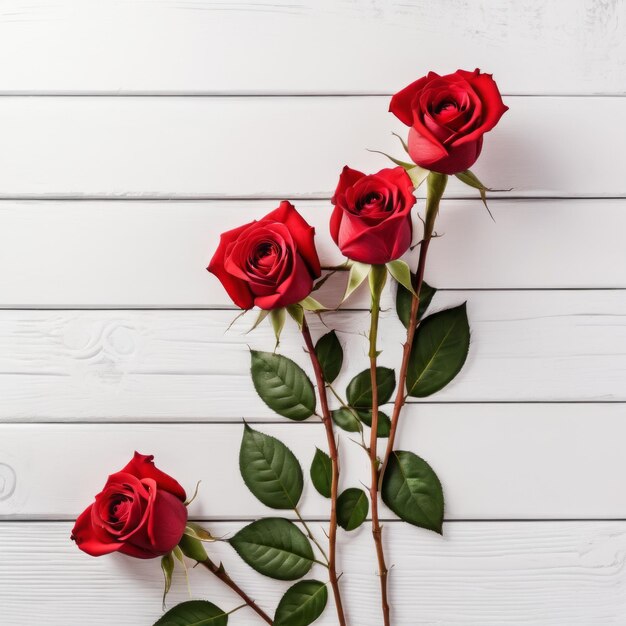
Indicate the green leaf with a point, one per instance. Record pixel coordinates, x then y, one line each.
302 604
270 470
282 385
192 548
384 423
330 355
167 566
412 491
359 389
404 299
274 547
439 351
352 508
194 613
358 273
401 273
346 419
321 472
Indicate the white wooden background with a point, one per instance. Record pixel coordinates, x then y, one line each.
133 132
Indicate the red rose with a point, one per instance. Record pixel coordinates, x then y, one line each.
140 512
448 116
371 222
270 263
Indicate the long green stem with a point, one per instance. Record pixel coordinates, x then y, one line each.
377 280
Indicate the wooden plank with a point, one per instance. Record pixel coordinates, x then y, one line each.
93 259
479 574
86 46
283 147
495 462
160 365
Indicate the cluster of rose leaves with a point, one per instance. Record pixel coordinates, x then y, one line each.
273 264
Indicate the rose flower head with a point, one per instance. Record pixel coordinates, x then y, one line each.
139 512
269 263
448 116
371 222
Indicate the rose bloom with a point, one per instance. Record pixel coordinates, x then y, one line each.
448 116
270 263
139 512
371 222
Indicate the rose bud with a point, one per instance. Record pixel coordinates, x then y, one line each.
371 222
270 263
139 512
448 116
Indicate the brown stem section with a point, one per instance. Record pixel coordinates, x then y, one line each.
406 353
219 571
377 531
334 485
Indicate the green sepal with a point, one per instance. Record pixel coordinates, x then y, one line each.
263 313
311 304
417 175
377 280
198 532
404 164
435 186
358 273
192 548
469 178
167 567
278 317
401 272
297 314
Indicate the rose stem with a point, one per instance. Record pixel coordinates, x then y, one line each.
219 571
377 531
334 459
406 353
436 185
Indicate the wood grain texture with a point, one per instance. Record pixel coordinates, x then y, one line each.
494 461
154 254
290 147
87 46
486 574
161 365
